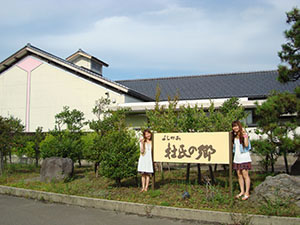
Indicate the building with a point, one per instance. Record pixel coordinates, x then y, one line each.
249 87
35 85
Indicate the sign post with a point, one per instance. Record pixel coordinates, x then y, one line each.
230 163
153 175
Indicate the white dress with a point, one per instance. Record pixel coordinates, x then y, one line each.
145 164
238 156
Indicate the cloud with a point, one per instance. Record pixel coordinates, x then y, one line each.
169 36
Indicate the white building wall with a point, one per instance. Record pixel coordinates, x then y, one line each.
13 84
82 61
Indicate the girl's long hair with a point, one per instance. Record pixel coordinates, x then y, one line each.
241 137
144 133
147 131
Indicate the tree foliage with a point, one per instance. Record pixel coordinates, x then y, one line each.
62 144
30 145
278 118
196 118
104 123
72 119
266 150
119 155
114 148
164 119
65 139
10 129
290 54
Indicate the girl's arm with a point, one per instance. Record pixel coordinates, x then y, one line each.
246 140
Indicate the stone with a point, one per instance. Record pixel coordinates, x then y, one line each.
56 169
185 195
282 186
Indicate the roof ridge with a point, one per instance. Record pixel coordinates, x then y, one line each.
80 50
74 65
194 76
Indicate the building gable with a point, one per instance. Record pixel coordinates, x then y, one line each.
71 67
35 91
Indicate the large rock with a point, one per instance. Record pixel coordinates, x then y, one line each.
56 169
282 186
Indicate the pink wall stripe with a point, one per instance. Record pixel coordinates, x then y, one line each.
28 101
28 64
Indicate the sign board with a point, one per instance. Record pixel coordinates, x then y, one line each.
208 147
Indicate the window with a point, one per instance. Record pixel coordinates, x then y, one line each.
249 119
96 67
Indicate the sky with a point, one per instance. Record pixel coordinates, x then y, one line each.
152 38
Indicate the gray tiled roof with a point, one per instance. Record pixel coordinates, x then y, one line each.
251 84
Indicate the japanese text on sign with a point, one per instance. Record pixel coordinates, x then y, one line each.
203 150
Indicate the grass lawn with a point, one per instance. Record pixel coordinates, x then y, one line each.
167 193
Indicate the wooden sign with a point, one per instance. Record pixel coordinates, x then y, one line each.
207 147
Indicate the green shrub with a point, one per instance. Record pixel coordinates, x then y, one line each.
65 142
49 146
92 147
61 144
119 155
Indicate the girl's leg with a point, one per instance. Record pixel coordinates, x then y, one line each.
241 182
247 181
143 182
147 182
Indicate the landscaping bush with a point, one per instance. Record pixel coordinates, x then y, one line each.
10 130
66 143
61 144
119 155
29 145
92 149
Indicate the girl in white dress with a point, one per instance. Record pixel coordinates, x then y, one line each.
242 159
145 165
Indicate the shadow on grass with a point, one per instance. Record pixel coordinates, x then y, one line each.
80 172
179 177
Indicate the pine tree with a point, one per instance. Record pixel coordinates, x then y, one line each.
290 54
